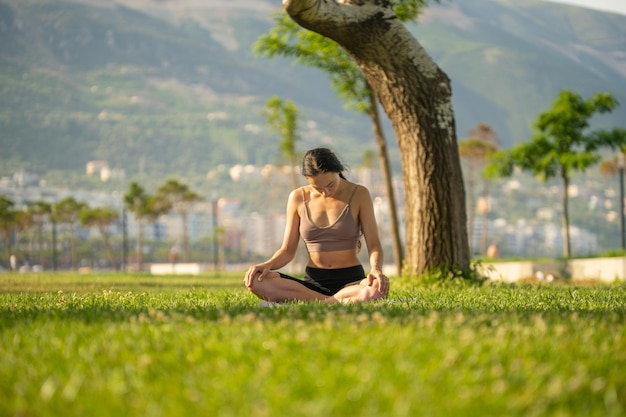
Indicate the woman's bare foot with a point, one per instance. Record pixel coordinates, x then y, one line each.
364 294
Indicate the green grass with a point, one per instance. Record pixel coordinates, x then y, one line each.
103 345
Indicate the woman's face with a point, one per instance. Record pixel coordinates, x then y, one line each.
326 184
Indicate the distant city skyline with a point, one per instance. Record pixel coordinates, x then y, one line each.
615 6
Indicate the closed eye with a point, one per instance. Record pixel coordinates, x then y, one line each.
320 190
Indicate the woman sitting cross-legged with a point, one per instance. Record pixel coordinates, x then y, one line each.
329 214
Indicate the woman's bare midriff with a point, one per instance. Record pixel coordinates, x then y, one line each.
333 260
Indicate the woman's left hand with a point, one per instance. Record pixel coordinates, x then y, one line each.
379 280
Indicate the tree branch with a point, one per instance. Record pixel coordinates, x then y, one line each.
336 19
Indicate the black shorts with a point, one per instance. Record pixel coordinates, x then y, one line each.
329 281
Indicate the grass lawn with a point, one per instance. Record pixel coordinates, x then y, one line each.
136 345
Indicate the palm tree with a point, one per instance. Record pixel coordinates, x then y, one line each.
7 222
40 211
23 222
102 218
474 152
611 168
136 201
282 117
385 167
66 212
180 198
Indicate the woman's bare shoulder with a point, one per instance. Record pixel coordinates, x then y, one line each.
362 193
297 196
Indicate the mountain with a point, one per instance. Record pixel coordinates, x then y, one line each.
171 87
152 91
508 60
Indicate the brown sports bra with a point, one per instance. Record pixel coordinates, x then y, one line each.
343 234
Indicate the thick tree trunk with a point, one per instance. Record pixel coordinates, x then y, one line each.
416 95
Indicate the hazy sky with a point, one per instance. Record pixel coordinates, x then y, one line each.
617 6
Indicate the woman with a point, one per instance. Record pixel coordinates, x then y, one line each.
329 214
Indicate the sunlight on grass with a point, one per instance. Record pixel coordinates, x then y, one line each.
136 345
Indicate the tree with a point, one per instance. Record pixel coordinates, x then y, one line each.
174 195
474 151
101 218
416 96
66 212
136 201
563 144
368 159
282 116
22 222
312 49
40 212
7 222
615 167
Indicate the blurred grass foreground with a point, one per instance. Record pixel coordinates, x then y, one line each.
137 345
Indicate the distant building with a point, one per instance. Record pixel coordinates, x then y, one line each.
262 233
96 167
108 174
101 169
24 178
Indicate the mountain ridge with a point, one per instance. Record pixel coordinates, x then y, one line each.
526 62
174 84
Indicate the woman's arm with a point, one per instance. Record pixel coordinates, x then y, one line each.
291 238
369 227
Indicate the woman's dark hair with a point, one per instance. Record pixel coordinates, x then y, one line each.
319 161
